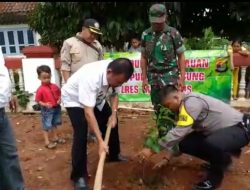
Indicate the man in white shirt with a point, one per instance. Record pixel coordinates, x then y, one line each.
84 96
10 172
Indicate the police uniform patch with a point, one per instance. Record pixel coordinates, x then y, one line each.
184 119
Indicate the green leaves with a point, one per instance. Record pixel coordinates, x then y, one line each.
164 123
153 144
55 21
23 98
119 21
208 41
117 31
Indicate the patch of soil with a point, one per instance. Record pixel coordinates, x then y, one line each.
45 169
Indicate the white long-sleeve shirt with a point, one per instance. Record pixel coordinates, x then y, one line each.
5 83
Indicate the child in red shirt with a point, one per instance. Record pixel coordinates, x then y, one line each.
48 96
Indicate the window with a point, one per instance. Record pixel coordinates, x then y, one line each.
4 50
20 37
30 37
2 42
13 40
11 37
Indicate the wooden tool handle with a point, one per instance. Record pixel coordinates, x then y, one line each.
99 172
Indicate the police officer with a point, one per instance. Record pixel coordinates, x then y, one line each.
207 128
162 56
81 49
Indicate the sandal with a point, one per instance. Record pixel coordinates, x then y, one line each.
50 146
60 141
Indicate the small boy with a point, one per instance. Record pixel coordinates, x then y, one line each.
135 45
48 96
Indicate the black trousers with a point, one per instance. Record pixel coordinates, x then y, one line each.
216 148
80 131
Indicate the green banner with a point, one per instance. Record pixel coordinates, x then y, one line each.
207 72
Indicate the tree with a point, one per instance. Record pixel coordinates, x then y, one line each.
206 42
240 10
226 19
119 21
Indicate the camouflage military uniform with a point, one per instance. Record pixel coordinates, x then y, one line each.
160 50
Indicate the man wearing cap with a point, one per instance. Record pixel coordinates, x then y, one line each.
81 49
162 56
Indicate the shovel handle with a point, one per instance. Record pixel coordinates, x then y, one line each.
99 172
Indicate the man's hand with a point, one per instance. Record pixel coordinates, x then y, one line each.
103 148
145 85
162 163
145 154
112 120
59 101
13 104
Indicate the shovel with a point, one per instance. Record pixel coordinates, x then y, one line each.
99 172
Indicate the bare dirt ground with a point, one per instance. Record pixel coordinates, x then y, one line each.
45 169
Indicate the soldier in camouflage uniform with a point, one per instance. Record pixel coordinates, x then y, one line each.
161 46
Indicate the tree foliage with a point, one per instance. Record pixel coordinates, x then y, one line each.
228 19
56 21
208 41
165 121
240 10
